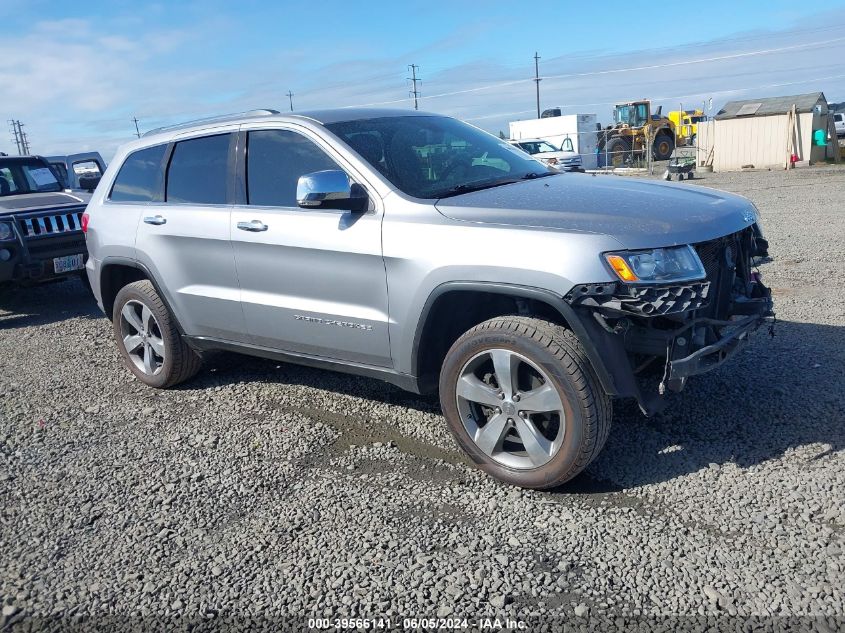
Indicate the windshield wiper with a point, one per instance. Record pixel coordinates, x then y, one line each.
475 186
489 184
532 175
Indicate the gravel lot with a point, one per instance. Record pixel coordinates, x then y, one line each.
260 494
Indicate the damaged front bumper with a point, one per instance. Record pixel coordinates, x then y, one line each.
651 339
734 335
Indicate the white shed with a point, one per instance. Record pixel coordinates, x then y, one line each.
757 132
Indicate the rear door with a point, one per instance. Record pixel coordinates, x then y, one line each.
312 281
185 238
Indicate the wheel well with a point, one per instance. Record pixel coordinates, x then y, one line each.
456 311
113 278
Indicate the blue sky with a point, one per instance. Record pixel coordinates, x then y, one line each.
76 73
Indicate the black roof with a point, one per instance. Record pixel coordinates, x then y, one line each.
770 105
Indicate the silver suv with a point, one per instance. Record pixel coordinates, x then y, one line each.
423 251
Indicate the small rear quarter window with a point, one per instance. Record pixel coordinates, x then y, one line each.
139 177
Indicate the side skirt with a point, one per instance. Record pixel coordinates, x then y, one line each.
403 381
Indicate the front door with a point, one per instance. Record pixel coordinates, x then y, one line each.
312 281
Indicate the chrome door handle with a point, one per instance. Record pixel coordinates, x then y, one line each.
255 226
155 219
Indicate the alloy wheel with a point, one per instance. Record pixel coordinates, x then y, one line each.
511 409
141 337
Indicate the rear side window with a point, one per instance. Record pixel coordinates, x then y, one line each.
198 172
137 180
275 161
87 168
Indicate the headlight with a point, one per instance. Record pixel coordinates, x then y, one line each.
5 231
676 263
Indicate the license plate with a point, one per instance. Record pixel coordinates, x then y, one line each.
68 263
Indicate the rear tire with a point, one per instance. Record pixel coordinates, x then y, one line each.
618 151
546 421
148 339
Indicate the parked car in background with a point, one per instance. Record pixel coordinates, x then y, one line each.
79 172
420 250
41 234
564 158
839 123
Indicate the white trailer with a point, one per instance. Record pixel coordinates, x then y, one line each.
580 129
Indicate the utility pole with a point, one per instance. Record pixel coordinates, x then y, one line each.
290 97
137 131
413 78
24 139
13 124
20 137
537 80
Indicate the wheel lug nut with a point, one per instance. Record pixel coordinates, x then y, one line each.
522 414
501 395
516 398
510 420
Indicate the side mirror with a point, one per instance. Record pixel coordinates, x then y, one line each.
330 189
89 182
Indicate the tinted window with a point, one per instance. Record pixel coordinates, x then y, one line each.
198 170
275 161
137 180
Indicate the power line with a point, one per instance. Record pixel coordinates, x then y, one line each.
502 84
537 80
413 78
290 98
669 98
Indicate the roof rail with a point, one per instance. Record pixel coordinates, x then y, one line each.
214 119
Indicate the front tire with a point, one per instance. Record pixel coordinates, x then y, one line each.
663 147
521 399
148 339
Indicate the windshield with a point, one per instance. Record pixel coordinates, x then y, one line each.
433 156
633 115
26 176
535 147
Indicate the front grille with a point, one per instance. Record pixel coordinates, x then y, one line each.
52 224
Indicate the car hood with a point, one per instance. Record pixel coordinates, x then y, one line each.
34 201
637 213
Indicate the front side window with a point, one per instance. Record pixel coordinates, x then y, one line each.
7 183
138 178
274 162
198 171
434 157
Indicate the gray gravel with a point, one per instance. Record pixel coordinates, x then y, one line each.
261 491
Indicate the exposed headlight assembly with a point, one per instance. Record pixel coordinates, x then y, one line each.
5 231
657 265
